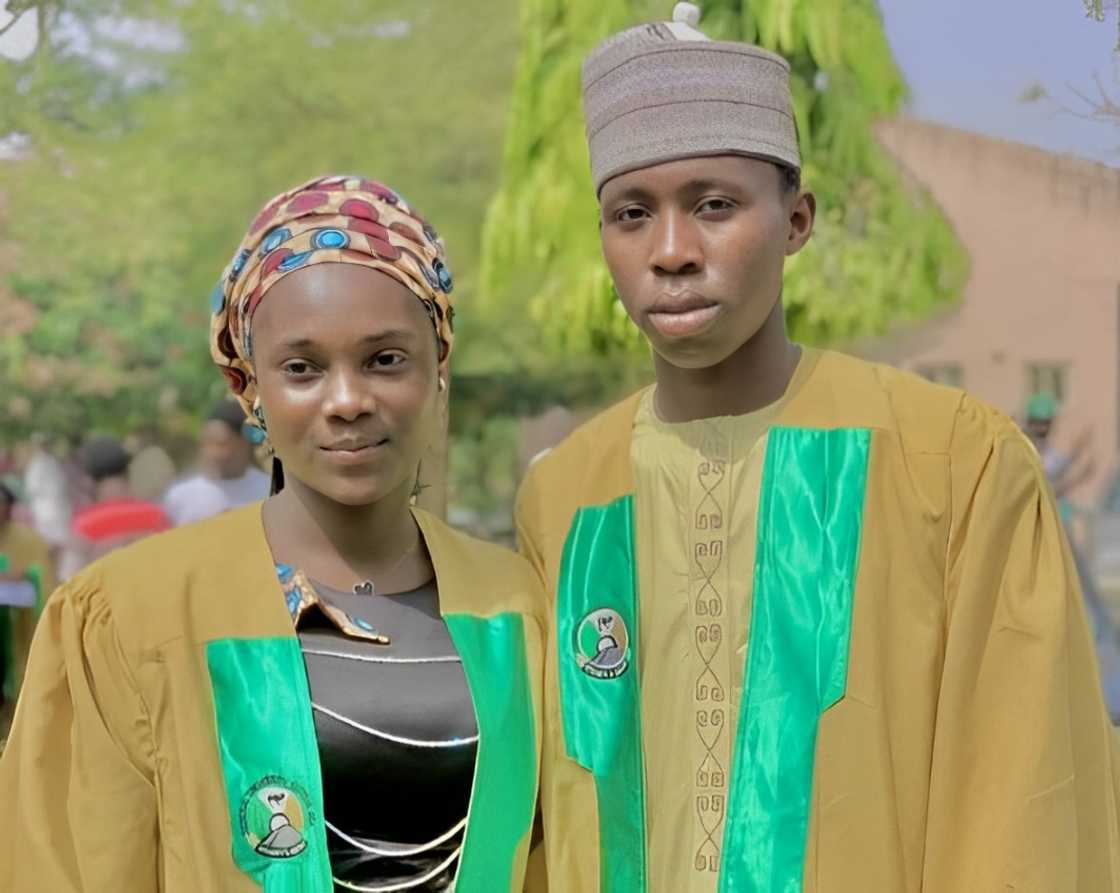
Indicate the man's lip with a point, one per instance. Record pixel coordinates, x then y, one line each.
680 302
687 323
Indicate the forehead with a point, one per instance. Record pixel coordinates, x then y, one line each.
336 303
673 176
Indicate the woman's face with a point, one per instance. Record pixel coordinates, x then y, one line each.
346 361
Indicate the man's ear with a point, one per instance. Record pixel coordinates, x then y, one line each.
802 214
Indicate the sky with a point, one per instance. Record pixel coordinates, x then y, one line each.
967 63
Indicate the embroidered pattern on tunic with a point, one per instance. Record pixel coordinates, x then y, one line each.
708 613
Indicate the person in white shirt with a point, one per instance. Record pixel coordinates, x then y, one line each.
227 477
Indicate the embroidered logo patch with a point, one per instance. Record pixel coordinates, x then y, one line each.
603 644
273 817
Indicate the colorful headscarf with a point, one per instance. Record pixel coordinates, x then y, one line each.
331 219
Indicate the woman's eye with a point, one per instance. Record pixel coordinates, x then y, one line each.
389 358
297 368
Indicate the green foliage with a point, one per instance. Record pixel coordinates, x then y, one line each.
155 130
483 473
881 251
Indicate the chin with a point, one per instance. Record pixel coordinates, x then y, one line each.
356 492
693 354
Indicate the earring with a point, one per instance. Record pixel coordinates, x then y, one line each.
442 384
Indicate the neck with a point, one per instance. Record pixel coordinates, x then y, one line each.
304 524
112 488
754 376
233 476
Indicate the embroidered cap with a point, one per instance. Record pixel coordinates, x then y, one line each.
664 91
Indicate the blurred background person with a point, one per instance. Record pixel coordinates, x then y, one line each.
116 517
1065 469
151 472
46 491
226 478
26 576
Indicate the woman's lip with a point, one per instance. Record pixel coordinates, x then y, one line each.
684 323
358 454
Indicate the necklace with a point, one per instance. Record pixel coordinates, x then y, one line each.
367 587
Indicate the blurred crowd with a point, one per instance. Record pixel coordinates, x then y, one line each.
61 509
102 495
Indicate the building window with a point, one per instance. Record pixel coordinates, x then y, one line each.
1048 378
951 374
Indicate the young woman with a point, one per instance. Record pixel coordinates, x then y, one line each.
333 684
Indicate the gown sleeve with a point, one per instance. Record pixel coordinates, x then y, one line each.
77 777
1023 788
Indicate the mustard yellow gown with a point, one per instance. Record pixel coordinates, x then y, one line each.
165 733
835 646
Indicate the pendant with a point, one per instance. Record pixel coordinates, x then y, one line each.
364 588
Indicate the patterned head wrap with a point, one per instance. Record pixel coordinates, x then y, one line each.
332 219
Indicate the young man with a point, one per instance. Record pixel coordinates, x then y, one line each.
815 624
116 517
227 477
1065 470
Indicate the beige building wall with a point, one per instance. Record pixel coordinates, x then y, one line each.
1043 233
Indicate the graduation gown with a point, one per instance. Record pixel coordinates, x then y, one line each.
912 701
164 739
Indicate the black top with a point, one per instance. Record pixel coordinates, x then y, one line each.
381 791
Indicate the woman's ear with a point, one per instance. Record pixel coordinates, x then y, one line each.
433 495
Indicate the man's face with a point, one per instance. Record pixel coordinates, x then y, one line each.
224 453
1039 429
696 249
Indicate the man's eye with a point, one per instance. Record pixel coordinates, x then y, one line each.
715 205
630 215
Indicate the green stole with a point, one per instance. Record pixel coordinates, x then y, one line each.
270 756
809 524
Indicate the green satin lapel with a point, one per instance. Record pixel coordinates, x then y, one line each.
809 524
268 748
503 796
270 763
597 635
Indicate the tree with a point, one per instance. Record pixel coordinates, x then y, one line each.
1098 9
152 131
1099 103
881 252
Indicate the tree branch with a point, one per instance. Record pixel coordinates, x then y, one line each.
11 24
